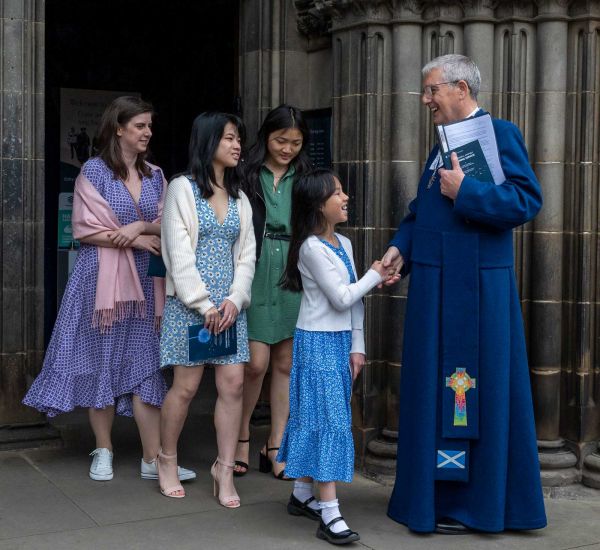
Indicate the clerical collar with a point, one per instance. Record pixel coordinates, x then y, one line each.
474 112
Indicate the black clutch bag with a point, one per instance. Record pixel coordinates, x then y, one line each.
156 266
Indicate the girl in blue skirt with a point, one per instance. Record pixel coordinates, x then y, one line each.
329 351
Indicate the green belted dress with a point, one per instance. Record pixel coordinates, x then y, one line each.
273 311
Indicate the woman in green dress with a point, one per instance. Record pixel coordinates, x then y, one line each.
273 163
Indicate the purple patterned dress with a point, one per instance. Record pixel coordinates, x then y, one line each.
82 367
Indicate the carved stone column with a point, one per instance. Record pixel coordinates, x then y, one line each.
581 378
362 84
479 44
22 218
273 60
407 117
556 461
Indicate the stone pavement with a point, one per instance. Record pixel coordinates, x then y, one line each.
47 501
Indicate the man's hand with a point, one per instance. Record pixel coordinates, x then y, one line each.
357 362
451 180
392 261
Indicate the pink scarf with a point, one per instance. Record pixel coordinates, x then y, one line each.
119 294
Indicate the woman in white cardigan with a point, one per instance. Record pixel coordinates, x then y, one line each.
209 252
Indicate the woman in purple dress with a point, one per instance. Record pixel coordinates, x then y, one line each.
104 350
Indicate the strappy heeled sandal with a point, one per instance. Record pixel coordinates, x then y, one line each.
240 463
265 465
168 491
232 501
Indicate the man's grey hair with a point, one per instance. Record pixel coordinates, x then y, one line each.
455 67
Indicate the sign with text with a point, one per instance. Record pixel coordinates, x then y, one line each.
319 146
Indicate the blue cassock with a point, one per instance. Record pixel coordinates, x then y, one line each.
466 437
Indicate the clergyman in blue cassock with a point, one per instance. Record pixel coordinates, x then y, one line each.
467 455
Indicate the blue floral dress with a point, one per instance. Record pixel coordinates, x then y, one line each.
317 442
214 261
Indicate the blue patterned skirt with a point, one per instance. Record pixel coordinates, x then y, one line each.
317 442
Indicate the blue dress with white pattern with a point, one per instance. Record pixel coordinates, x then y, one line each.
318 442
214 261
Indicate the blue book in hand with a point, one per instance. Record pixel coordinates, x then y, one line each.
204 345
472 161
474 142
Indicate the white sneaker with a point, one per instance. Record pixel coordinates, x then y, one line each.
101 468
148 471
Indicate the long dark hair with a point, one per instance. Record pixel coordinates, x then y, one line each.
207 131
309 194
280 118
119 112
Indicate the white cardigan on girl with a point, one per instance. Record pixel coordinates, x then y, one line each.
179 234
330 302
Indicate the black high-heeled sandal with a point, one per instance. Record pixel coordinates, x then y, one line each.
265 465
241 463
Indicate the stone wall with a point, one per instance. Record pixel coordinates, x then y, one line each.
278 64
540 64
22 204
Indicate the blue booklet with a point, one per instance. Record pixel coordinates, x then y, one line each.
204 345
474 141
472 161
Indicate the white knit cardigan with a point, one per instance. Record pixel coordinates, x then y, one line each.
179 234
329 301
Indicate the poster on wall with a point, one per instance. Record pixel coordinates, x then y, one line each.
80 112
319 145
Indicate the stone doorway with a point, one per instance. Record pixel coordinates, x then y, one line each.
180 56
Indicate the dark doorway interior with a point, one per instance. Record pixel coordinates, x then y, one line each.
180 55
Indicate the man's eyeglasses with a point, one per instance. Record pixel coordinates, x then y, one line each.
432 89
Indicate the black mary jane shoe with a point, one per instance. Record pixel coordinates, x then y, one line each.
343 537
296 507
447 526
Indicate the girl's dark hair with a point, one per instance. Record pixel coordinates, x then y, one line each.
119 112
280 118
309 194
207 131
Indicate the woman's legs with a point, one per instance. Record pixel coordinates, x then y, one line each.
147 418
172 417
101 421
228 414
280 357
281 365
254 374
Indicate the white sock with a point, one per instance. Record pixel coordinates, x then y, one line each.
330 510
303 491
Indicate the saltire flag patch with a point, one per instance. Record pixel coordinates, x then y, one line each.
451 459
